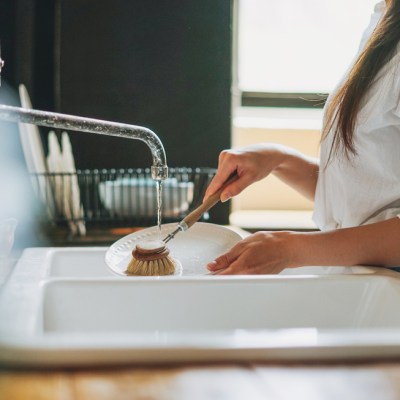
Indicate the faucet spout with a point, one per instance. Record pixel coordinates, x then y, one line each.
159 169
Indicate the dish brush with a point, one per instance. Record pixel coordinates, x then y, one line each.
196 214
151 258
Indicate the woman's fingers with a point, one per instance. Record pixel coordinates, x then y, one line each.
220 262
217 182
244 179
247 166
226 167
236 187
225 260
231 263
222 175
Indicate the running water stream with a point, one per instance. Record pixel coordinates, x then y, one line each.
159 205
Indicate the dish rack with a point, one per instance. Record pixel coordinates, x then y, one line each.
104 198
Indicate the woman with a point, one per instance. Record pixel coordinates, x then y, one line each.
356 184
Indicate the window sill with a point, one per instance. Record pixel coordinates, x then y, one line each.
255 220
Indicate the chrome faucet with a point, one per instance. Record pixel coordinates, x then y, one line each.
159 169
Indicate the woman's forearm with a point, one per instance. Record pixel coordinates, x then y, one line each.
298 171
373 244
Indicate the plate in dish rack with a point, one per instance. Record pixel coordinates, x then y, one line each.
192 249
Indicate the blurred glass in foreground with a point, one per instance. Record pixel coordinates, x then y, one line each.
17 199
7 230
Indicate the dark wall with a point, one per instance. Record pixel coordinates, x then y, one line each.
27 45
165 65
24 63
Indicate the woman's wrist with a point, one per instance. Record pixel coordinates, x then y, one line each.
297 170
282 155
293 248
298 249
374 244
337 247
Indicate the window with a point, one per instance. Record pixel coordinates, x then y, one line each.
290 52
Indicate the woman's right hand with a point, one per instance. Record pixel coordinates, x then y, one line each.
251 163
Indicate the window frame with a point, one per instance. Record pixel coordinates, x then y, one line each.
243 98
282 100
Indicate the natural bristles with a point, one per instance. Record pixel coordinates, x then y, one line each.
163 266
151 258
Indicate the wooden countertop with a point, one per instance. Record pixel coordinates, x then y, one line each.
368 380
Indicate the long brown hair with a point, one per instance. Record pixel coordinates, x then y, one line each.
346 102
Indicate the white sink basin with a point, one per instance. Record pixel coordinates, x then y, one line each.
204 305
77 262
62 306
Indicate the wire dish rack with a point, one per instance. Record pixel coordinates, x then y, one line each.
88 199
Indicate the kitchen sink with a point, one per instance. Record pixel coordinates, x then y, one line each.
77 262
218 305
64 307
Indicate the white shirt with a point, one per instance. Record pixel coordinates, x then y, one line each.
365 189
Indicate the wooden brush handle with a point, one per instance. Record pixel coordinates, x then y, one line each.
196 214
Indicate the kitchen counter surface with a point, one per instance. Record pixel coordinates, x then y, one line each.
373 379
368 380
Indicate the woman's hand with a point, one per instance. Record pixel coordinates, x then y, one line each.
255 162
271 252
251 164
260 253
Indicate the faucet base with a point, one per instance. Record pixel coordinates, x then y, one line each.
159 173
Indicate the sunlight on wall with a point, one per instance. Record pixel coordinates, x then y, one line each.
295 128
271 193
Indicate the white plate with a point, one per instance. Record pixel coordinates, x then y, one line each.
193 249
71 193
32 147
30 139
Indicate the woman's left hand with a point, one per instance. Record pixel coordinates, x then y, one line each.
260 253
271 252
